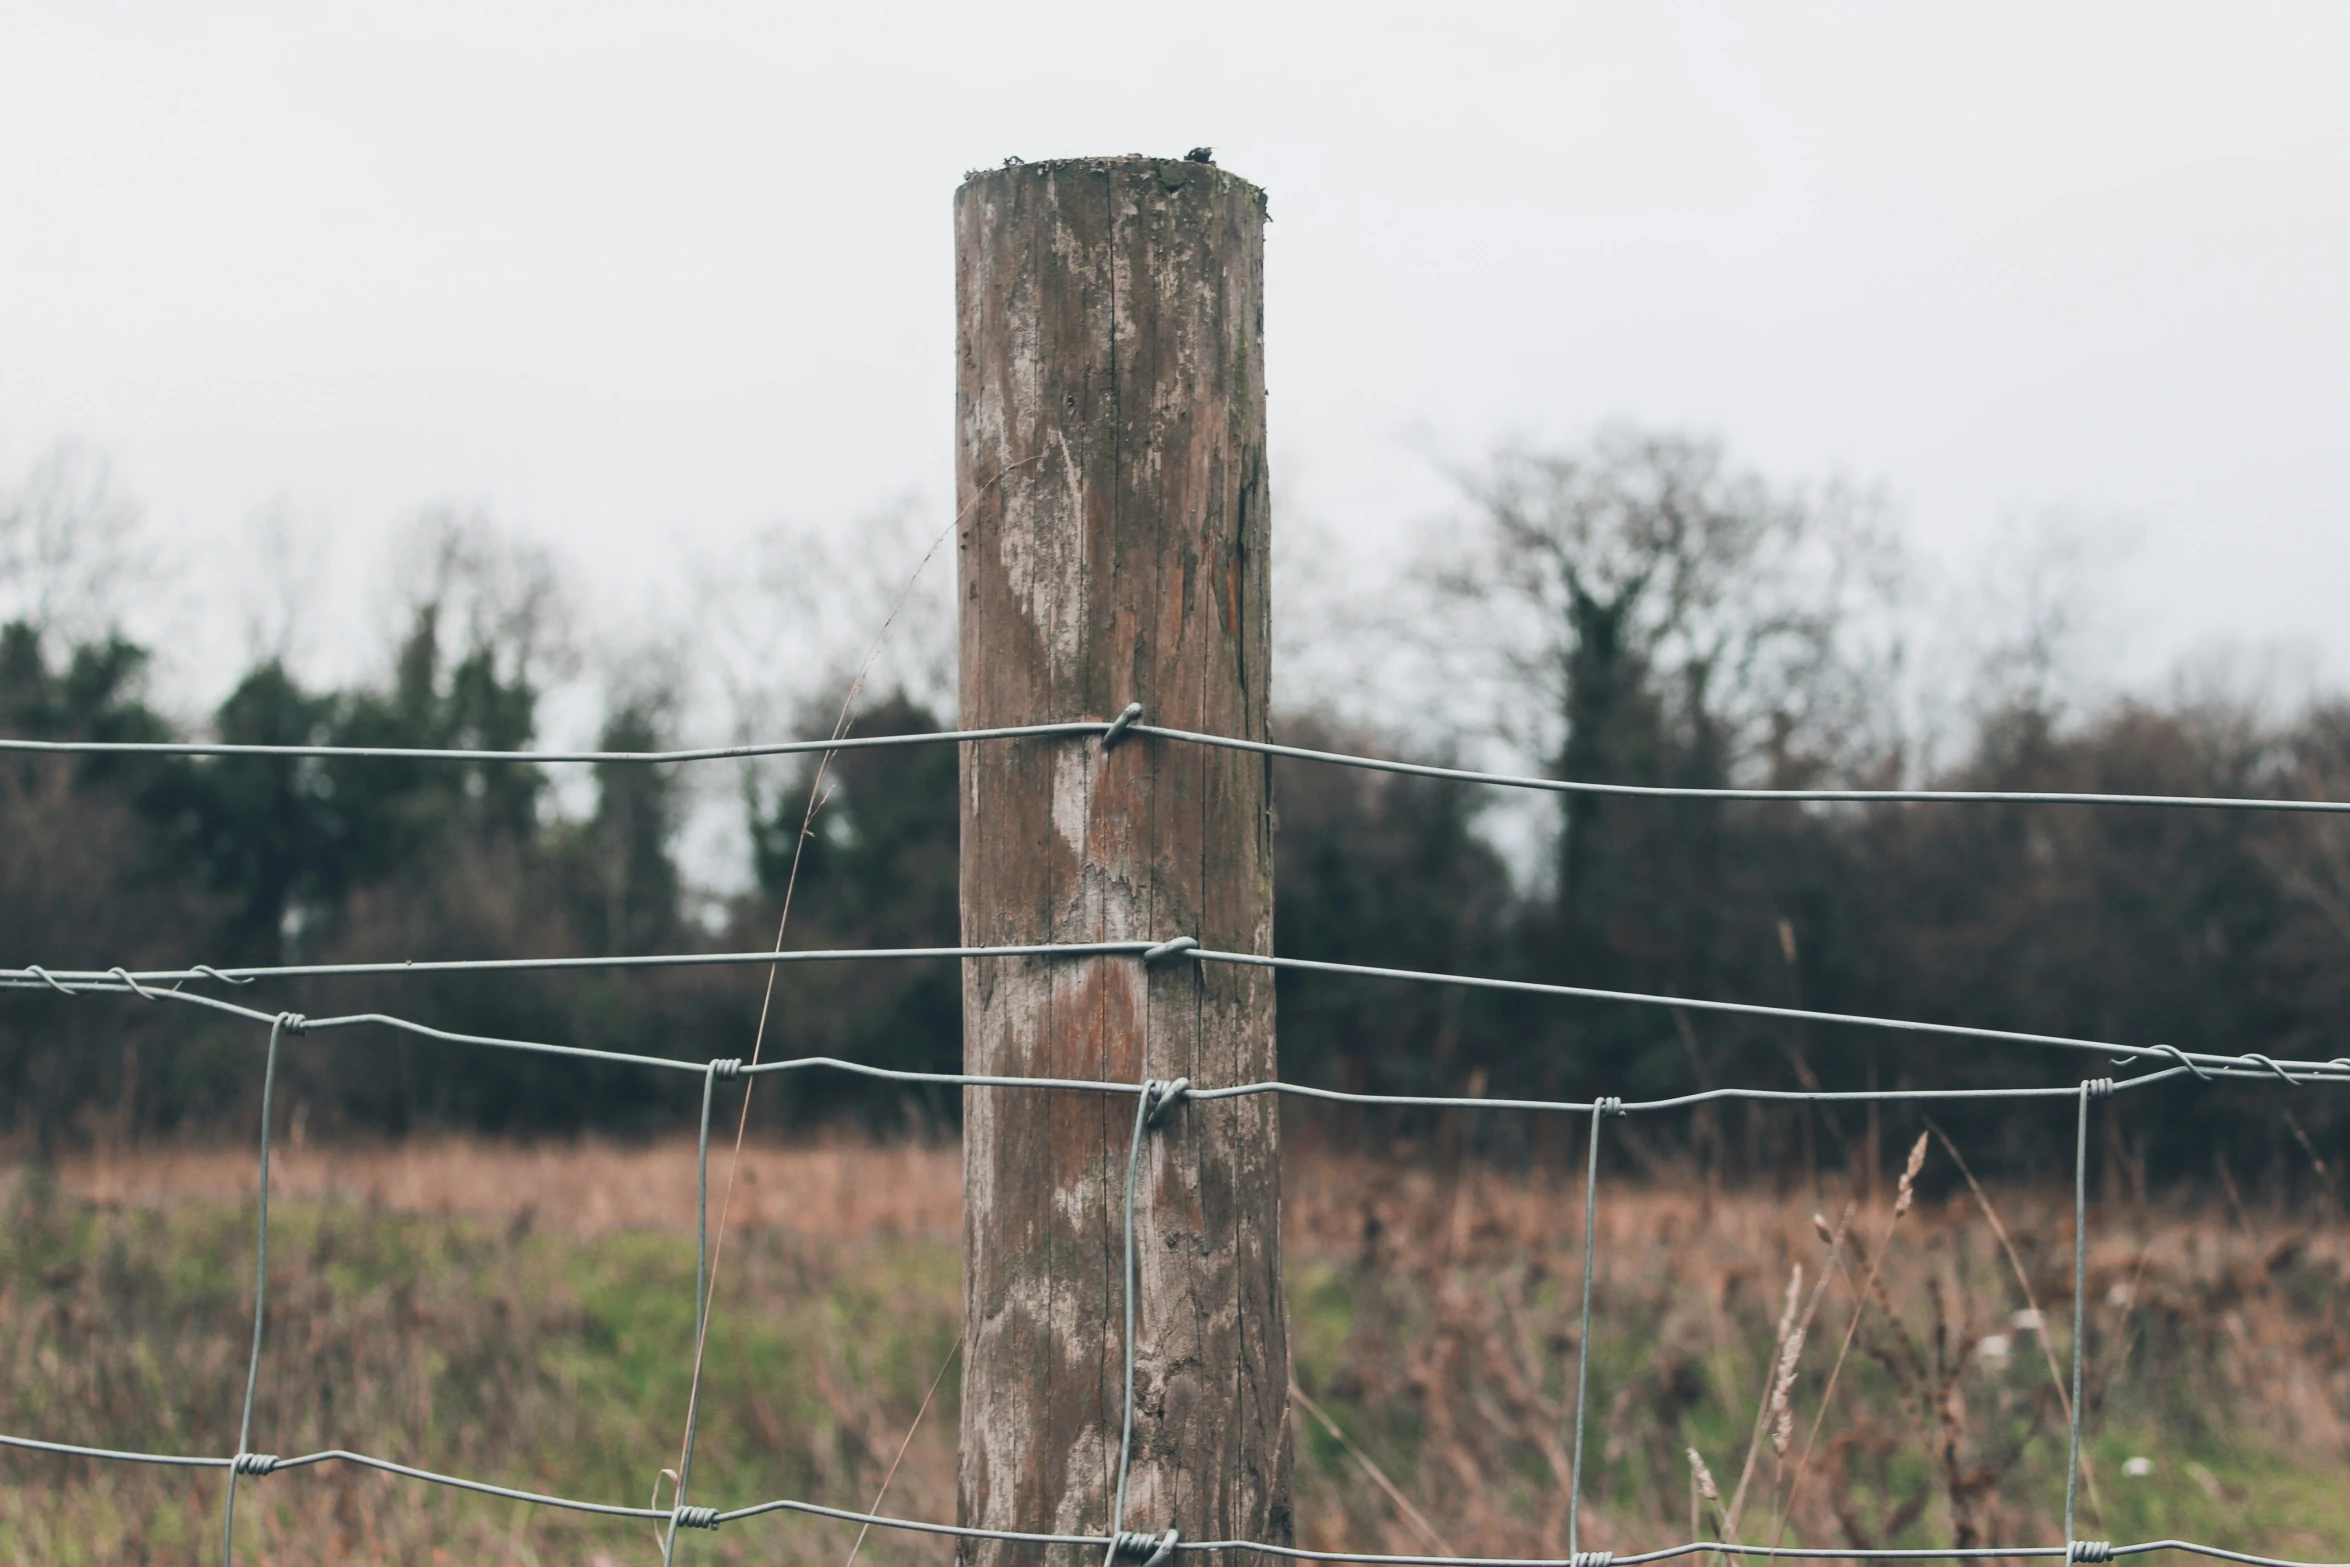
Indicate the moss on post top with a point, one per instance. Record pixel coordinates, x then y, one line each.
1172 174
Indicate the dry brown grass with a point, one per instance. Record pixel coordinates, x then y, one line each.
1441 1309
845 1189
517 1311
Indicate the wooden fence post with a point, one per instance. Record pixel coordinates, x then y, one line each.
1110 405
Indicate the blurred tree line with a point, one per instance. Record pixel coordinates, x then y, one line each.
1634 611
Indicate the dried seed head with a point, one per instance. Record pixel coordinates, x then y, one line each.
1792 1352
1787 1312
1909 1176
1782 1391
1705 1478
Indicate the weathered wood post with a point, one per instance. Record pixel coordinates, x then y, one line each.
1110 401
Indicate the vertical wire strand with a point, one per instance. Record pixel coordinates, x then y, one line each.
228 1513
1583 1340
1142 1106
693 1402
2072 1473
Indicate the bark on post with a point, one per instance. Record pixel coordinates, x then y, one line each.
1111 411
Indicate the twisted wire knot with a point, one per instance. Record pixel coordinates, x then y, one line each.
726 1068
2263 1061
2180 1056
130 984
1152 1548
1611 1105
253 1463
1591 1559
1167 949
2088 1551
293 1023
1120 724
35 971
696 1517
1163 1097
2098 1087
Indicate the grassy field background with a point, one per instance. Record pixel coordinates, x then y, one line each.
522 1314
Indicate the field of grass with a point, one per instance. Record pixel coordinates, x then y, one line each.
523 1315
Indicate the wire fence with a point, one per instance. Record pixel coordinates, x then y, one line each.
1154 1099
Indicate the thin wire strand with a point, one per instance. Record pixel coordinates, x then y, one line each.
1266 1548
2072 1469
1142 1108
1682 792
716 753
116 1455
840 728
1092 727
228 1511
1733 1548
882 1495
1583 1341
2202 1066
34 978
1734 1008
693 1398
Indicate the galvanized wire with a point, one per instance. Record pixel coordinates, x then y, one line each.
768 957
1733 1548
83 978
1382 764
1128 723
2202 1066
2094 1088
394 753
1599 1112
2205 1064
1142 1111
228 1512
693 1403
2098 1550
1152 1097
2167 1063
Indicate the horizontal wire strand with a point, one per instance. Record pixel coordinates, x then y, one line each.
1019 1537
2205 1064
20 977
2202 1066
2211 1067
1123 728
394 753
1689 792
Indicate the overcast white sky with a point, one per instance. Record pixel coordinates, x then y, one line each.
637 275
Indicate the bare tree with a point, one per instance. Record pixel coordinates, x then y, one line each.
1638 609
489 591
788 619
69 545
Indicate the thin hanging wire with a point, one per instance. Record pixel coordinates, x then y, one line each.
238 1465
1142 1109
693 1400
1599 1112
2094 1088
